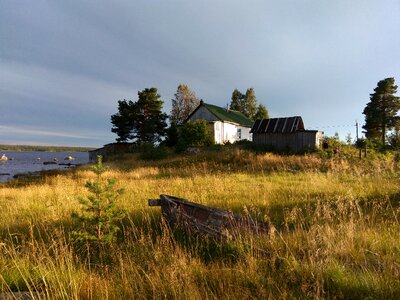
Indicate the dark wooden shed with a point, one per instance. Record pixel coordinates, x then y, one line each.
286 134
109 149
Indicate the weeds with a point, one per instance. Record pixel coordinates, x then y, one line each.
337 219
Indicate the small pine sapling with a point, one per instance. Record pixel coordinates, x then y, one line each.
100 217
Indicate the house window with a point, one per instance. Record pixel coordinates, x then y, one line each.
239 134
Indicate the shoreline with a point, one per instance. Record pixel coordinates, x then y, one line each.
33 175
23 148
30 163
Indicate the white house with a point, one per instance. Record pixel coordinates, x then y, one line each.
226 125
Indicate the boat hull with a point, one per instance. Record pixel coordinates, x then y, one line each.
197 218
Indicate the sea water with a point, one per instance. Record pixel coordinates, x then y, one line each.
33 161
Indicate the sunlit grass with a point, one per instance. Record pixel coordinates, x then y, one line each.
337 220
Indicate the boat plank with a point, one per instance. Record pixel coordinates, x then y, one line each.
194 217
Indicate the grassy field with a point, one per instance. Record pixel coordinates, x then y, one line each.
337 221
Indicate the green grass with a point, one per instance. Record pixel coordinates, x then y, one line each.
337 220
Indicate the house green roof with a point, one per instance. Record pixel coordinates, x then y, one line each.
228 115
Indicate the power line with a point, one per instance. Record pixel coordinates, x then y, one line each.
338 126
333 126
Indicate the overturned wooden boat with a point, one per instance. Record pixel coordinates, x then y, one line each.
197 218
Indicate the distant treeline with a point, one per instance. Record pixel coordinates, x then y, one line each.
43 148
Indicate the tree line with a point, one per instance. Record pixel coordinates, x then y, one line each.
143 120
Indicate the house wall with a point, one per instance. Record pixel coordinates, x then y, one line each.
296 142
224 132
230 132
218 132
203 114
309 139
246 135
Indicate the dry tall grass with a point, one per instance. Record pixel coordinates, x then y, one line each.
337 219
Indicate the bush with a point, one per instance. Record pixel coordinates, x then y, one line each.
361 143
375 145
243 142
396 156
394 139
195 134
149 151
172 136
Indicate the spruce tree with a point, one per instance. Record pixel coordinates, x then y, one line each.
100 217
381 112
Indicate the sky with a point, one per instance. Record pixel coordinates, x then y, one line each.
65 64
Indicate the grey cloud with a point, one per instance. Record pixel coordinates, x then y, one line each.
66 63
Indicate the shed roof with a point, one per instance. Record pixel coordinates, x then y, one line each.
226 115
278 125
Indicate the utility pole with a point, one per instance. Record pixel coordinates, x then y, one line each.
356 130
360 151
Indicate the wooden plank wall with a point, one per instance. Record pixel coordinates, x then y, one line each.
109 149
294 142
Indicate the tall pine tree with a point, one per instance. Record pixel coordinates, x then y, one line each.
123 120
381 112
140 121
